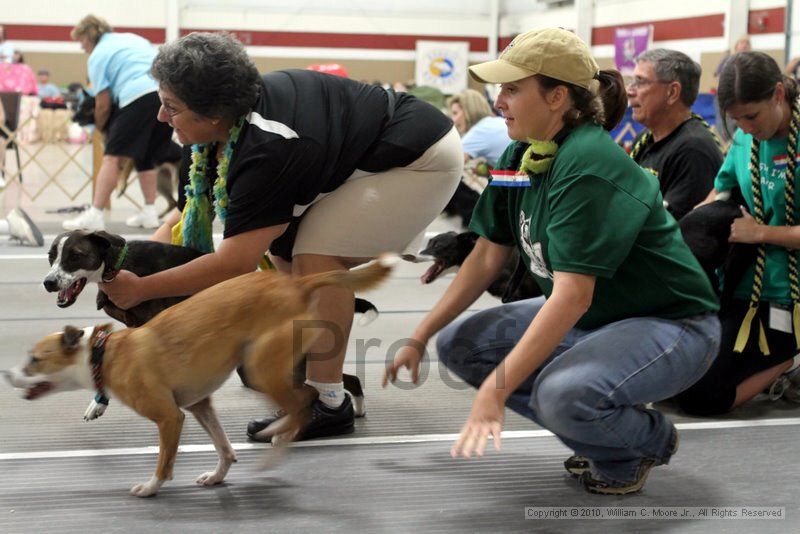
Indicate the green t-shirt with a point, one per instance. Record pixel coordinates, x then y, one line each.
735 172
596 212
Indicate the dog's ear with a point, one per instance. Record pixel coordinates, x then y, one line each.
105 239
71 338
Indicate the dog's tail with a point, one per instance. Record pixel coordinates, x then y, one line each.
355 280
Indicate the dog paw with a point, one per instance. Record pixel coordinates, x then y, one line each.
210 478
148 489
94 410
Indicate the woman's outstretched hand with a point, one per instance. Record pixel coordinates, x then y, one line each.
485 419
409 357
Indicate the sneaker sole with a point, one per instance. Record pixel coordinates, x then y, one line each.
576 470
339 432
35 233
639 484
618 490
625 490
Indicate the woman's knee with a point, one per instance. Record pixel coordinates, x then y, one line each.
463 351
448 347
560 400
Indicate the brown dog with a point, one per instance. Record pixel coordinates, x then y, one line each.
180 357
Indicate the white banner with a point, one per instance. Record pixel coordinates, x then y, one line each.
442 64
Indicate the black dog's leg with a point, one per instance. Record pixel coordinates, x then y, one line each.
462 203
740 257
352 384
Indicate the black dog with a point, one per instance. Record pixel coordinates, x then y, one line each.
84 112
706 231
79 257
462 203
449 251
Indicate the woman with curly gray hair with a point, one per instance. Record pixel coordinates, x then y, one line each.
324 172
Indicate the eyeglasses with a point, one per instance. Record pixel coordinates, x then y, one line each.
638 82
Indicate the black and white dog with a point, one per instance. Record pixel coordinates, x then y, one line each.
78 257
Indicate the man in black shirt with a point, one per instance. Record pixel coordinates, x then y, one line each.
677 145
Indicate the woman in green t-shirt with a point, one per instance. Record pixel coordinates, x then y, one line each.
629 316
761 326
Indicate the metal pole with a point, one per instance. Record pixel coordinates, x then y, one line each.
788 31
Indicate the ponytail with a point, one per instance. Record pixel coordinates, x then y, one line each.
606 108
613 97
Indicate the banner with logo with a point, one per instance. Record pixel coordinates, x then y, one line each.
629 43
442 64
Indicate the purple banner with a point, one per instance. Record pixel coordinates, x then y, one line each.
629 43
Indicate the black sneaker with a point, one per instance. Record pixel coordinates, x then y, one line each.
593 485
324 422
576 465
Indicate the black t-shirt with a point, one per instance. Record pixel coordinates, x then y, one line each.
685 163
307 133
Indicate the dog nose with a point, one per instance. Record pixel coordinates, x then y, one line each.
51 285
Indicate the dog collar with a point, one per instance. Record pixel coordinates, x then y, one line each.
98 351
110 274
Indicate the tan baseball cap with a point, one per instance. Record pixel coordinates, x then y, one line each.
553 52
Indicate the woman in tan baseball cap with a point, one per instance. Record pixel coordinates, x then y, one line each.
629 316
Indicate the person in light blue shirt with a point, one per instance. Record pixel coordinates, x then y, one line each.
126 107
488 139
45 87
120 63
482 133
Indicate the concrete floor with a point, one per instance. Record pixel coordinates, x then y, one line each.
393 474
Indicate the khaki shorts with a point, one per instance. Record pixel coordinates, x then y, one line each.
372 213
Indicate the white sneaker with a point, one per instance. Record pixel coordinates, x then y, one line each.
22 228
2 182
147 218
90 219
786 386
792 391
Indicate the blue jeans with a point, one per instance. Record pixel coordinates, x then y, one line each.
591 389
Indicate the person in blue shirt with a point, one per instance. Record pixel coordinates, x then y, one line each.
126 107
46 88
482 133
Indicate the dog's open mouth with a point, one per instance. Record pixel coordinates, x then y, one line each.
433 272
37 389
66 297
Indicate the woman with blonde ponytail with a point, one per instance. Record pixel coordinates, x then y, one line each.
761 327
